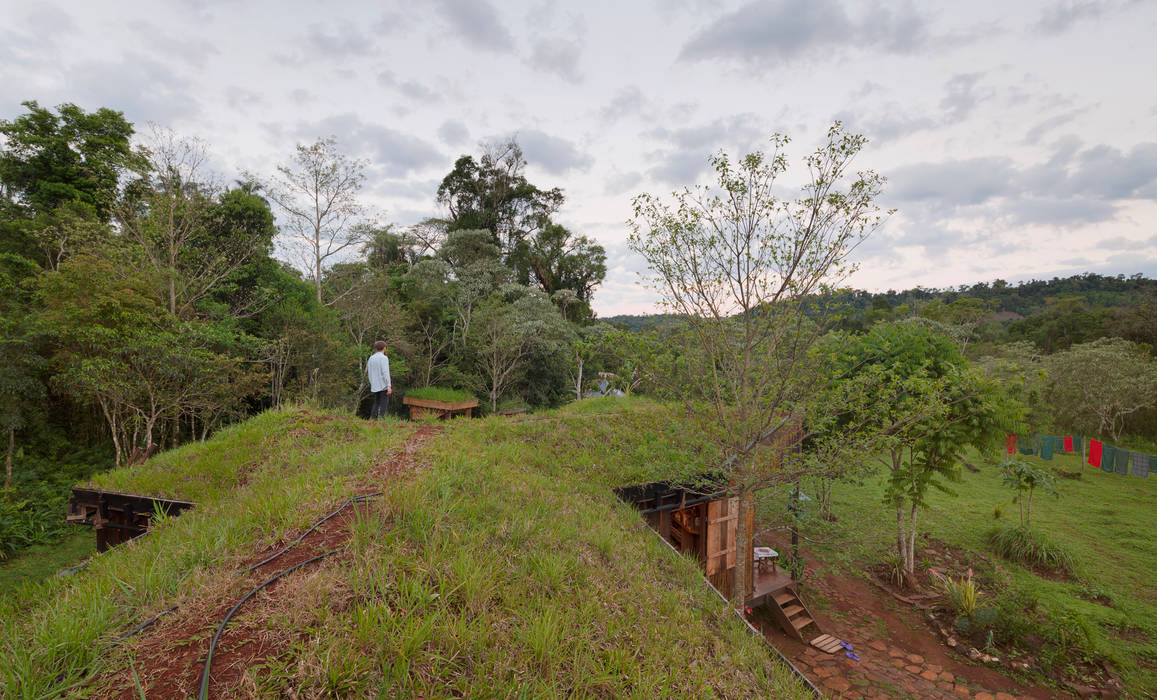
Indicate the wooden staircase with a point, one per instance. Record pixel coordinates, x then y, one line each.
792 614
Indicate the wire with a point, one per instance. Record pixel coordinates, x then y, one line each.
356 499
204 694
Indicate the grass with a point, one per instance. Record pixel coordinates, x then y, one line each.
439 393
1106 609
505 567
38 562
1031 548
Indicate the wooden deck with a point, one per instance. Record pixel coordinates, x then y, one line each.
768 583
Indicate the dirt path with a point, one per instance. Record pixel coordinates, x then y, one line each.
170 657
899 655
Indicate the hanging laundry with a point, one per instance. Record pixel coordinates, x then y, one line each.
1108 458
1094 453
1046 447
1123 461
1141 464
1068 443
1011 443
1077 443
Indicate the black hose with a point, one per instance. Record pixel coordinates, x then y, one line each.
204 694
286 548
150 622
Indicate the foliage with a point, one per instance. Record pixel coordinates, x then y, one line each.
1097 385
963 594
439 393
736 262
1025 479
1031 548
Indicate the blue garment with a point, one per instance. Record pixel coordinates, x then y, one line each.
378 370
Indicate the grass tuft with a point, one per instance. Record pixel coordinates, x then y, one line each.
1031 548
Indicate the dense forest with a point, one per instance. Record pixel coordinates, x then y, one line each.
145 301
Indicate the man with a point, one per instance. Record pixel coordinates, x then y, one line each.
378 369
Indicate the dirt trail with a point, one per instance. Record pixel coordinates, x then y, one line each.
170 657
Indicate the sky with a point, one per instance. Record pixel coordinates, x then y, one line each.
1019 139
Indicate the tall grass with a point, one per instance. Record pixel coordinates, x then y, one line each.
1031 548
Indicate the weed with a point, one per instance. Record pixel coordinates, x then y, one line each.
963 594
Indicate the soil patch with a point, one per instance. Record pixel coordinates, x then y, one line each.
899 653
169 657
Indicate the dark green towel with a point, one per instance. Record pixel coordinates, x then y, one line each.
1108 456
1076 443
1026 450
1046 447
1123 462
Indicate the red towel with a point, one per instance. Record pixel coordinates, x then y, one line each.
1012 443
1094 453
1069 443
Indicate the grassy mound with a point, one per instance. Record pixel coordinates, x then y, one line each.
505 566
1031 548
439 393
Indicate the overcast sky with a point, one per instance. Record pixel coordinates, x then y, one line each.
1018 138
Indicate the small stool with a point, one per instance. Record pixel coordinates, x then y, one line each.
765 556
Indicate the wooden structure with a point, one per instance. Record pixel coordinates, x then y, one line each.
118 517
703 523
443 409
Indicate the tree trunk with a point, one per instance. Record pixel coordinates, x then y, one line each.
742 544
8 459
1028 511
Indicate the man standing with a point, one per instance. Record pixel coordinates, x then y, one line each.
378 369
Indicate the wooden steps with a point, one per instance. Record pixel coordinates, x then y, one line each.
792 615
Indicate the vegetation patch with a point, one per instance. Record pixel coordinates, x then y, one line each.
1031 548
439 393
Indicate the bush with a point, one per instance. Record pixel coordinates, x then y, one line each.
1019 544
963 594
894 563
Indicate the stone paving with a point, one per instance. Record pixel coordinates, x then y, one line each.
885 671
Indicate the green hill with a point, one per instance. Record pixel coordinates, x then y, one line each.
495 562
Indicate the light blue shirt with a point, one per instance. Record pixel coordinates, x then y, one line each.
378 369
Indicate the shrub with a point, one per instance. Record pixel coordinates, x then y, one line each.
963 594
895 565
1025 546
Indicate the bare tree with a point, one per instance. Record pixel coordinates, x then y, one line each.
738 266
318 193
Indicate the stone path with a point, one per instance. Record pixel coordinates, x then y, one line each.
885 671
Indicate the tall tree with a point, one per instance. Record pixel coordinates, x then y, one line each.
1096 386
735 263
493 193
318 193
560 260
21 388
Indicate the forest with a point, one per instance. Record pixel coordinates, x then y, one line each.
146 302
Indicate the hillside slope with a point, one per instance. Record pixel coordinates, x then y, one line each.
496 562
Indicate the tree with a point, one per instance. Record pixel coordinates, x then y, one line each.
561 260
928 406
736 263
1024 478
49 160
190 233
1096 386
20 385
318 193
493 193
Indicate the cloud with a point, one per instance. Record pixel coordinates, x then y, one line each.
477 23
144 89
553 154
622 182
242 99
627 101
557 56
393 153
781 31
958 182
960 98
1063 15
343 42
418 91
683 157
453 132
186 48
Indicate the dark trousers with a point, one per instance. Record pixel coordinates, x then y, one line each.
381 404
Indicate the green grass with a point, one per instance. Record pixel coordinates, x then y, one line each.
38 562
505 567
1106 609
1030 547
439 393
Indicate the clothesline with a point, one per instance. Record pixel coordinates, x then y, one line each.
1108 458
